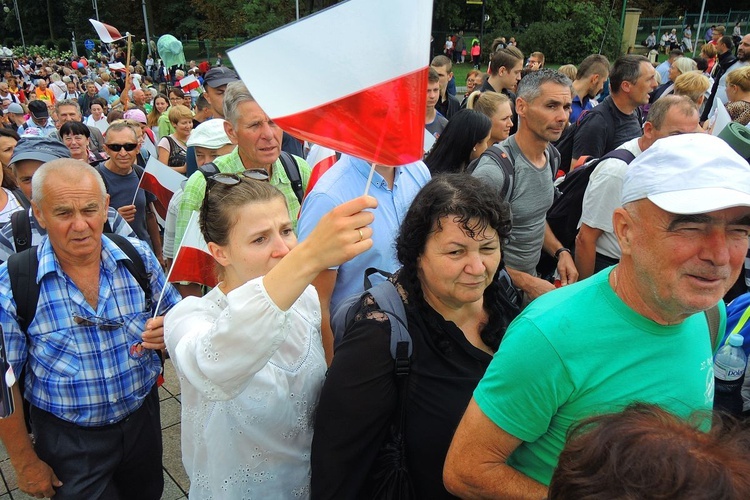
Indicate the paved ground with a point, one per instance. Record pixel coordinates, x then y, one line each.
176 483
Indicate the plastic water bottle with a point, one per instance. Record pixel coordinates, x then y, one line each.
729 370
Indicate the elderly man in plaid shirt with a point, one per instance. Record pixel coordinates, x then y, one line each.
90 354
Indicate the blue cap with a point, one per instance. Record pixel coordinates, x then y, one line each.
41 149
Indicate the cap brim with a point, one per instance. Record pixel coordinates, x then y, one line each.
218 82
700 201
34 155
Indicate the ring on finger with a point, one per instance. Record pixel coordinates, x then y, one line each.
361 235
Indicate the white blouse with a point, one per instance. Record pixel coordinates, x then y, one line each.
251 375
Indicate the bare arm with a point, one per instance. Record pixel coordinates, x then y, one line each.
586 250
153 232
565 265
475 466
324 284
341 235
35 477
531 285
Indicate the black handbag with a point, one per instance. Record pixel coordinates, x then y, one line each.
390 478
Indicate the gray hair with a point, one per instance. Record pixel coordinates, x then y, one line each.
235 94
63 168
68 102
530 86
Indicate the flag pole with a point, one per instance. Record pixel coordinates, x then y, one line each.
369 179
136 190
166 283
124 96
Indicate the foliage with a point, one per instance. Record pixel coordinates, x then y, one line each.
266 15
42 51
63 45
576 33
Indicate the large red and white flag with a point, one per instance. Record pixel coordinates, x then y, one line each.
162 182
365 96
320 160
193 262
107 33
189 83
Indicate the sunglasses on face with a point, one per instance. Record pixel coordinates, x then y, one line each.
117 147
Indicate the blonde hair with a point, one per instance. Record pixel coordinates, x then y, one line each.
741 78
569 70
692 84
179 112
684 65
486 103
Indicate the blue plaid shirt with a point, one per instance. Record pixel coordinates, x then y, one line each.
86 374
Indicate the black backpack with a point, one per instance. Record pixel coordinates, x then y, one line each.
506 162
565 213
22 271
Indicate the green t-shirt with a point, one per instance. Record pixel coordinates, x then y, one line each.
580 351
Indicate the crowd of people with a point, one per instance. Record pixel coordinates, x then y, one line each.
438 337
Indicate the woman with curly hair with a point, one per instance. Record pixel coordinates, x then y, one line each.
450 247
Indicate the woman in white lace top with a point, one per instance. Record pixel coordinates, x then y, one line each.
249 353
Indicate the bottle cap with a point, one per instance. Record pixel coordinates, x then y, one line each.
736 340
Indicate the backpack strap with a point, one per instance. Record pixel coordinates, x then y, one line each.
292 173
389 301
22 269
554 158
21 198
713 318
135 265
504 161
20 224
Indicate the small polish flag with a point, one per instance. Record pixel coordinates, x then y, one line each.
162 182
107 33
320 159
366 98
118 66
193 262
189 83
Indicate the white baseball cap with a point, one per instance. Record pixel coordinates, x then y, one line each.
209 134
689 174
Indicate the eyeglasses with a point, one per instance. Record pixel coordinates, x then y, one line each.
103 323
117 147
211 172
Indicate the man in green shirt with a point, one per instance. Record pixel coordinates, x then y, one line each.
634 332
258 142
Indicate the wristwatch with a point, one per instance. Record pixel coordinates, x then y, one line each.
561 250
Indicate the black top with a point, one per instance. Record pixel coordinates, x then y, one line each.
598 134
359 401
449 107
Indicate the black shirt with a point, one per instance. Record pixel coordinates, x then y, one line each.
605 128
450 106
359 401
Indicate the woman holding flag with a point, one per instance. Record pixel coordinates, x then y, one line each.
249 353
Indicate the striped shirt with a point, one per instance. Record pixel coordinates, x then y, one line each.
82 374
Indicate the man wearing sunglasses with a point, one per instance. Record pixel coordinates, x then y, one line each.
122 176
258 142
89 353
